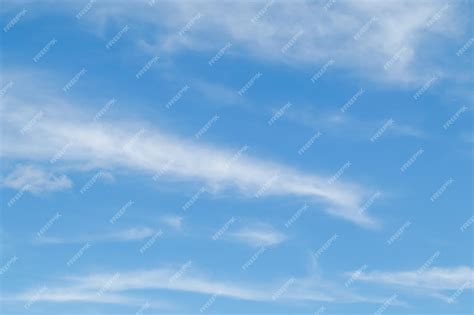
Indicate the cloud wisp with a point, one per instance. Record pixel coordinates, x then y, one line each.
124 235
85 288
173 221
258 235
35 180
436 278
398 35
144 148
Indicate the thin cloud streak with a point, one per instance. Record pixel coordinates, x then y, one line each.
35 180
126 235
85 287
391 32
258 235
436 278
146 149
395 34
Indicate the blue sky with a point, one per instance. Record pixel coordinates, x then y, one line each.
233 157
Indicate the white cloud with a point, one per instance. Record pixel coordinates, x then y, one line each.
258 235
408 131
344 125
435 278
143 148
61 295
36 180
173 221
89 295
218 93
85 288
404 34
131 234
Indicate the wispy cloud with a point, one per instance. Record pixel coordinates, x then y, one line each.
61 295
85 288
36 180
173 221
393 33
218 93
131 234
101 294
345 125
144 148
436 278
258 235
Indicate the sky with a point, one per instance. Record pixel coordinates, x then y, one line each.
264 157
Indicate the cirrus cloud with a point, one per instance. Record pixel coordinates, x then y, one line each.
36 180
